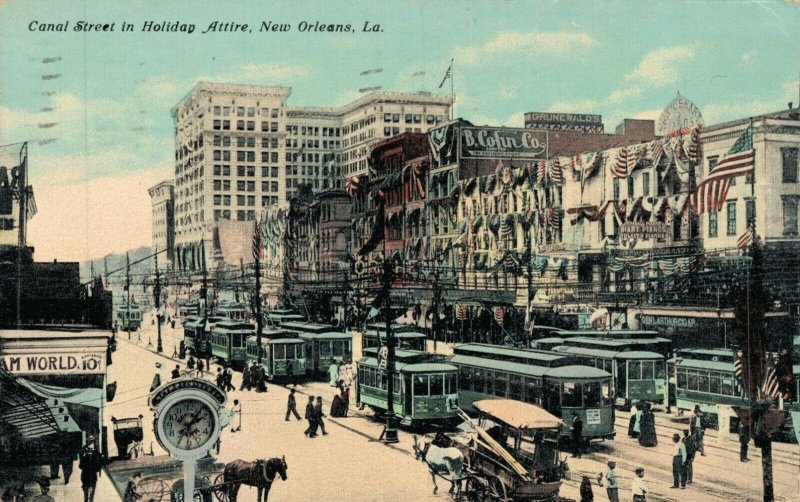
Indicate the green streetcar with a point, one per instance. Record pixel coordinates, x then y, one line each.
228 342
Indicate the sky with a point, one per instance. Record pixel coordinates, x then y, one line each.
95 106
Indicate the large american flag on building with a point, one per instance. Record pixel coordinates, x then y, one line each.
710 195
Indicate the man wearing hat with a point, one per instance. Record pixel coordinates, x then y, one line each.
91 462
638 486
612 485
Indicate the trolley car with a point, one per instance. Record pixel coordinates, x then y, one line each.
557 382
326 348
637 375
232 310
197 334
305 327
405 340
276 318
129 316
641 339
425 388
228 342
189 308
281 350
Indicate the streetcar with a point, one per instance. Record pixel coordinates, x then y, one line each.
548 343
326 348
232 310
279 355
197 334
404 340
643 339
637 375
557 382
661 345
228 342
189 308
425 387
129 316
278 317
305 327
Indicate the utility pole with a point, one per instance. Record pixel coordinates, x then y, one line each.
128 289
528 313
391 421
157 298
257 300
437 293
204 296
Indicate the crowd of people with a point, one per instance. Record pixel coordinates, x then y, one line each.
638 486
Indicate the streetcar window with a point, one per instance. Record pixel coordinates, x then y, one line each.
571 395
280 352
384 384
421 385
437 385
500 384
608 397
338 348
634 370
533 392
726 386
660 369
647 370
489 382
478 380
702 381
466 378
515 387
396 384
451 386
691 380
682 379
714 383
592 394
373 378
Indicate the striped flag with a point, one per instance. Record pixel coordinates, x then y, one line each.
746 238
555 171
258 247
541 171
710 195
620 166
448 74
461 312
499 315
738 372
771 387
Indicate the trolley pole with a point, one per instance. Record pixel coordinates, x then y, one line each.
128 289
391 421
157 298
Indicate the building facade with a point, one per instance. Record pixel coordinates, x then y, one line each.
162 200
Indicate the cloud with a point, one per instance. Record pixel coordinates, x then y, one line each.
748 57
532 43
623 95
581 105
660 67
715 113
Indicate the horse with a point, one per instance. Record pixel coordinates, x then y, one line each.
442 458
260 474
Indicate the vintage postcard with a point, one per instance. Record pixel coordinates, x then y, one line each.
505 251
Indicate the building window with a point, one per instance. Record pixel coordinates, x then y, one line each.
616 189
226 125
789 157
630 187
645 184
750 212
712 224
790 216
732 217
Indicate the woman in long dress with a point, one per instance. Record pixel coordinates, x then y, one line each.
648 436
635 419
333 371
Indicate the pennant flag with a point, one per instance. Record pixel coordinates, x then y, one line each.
448 74
377 233
710 195
746 238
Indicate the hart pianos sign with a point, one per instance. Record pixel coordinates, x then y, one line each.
503 143
54 364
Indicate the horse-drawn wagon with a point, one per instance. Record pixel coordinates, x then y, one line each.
511 454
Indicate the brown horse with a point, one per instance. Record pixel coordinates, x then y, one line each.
260 474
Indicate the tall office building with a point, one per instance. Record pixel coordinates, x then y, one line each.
239 148
162 200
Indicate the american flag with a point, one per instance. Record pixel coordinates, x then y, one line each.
771 387
658 152
461 312
746 238
541 171
738 372
448 74
620 167
710 195
555 171
258 248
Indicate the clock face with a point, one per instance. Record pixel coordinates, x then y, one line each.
188 424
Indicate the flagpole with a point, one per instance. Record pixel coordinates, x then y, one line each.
452 93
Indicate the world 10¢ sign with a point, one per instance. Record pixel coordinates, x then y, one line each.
54 364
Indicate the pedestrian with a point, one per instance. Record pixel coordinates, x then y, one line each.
44 484
678 462
90 464
291 406
290 376
637 423
237 412
638 486
220 379
632 422
67 466
312 429
229 380
744 441
156 379
586 490
697 426
333 371
318 422
343 377
577 435
612 485
200 368
345 401
691 449
132 490
647 437
176 373
190 363
246 384
261 378
336 406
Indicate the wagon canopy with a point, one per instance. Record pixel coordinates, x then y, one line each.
518 414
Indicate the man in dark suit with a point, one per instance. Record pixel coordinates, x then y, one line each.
91 463
291 406
312 428
577 435
318 414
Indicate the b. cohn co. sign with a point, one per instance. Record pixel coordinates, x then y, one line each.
502 142
54 364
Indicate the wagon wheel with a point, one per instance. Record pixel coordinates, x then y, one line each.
221 489
497 489
476 490
155 490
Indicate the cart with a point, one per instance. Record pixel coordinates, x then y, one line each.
126 432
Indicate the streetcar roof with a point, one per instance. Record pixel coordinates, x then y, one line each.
330 334
614 342
274 341
429 368
401 335
277 332
505 366
703 364
306 326
395 327
608 354
577 372
549 339
621 334
517 414
726 353
528 354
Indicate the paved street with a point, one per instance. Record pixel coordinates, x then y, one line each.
350 459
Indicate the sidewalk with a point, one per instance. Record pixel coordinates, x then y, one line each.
72 492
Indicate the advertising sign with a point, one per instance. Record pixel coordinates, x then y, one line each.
503 143
564 121
667 321
54 364
593 417
644 230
